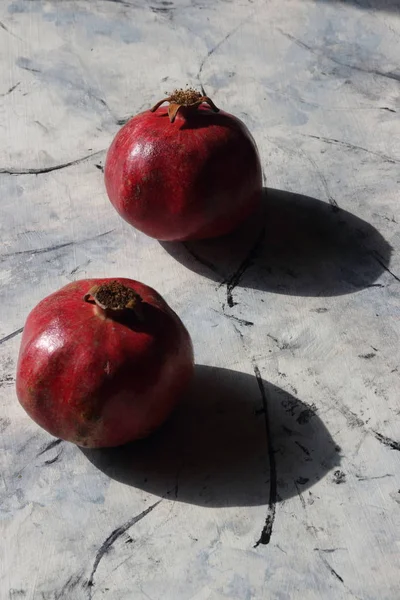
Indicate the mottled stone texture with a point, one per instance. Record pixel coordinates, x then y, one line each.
279 477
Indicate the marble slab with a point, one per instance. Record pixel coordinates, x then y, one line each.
279 477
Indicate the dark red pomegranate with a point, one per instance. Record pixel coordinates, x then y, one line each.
103 362
184 172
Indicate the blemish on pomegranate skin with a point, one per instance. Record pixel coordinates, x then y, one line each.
107 368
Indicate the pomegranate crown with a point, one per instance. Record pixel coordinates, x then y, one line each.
189 99
114 297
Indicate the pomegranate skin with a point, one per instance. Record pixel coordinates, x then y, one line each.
198 177
99 380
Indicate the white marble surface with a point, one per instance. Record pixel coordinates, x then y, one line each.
298 313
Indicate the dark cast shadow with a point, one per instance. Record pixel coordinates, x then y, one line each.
390 6
293 245
214 450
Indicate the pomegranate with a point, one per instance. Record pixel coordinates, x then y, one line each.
187 172
103 362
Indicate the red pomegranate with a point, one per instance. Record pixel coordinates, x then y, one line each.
103 362
186 172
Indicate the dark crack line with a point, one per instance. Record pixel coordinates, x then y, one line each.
167 11
330 569
353 420
331 199
10 336
319 53
386 441
266 532
300 495
87 92
386 268
76 269
57 246
326 108
240 334
49 446
202 261
53 460
39 171
39 250
320 550
237 319
123 3
67 590
113 537
362 478
248 261
387 75
118 2
101 101
303 448
31 69
123 120
352 147
297 41
328 550
176 487
300 152
215 48
12 88
9 32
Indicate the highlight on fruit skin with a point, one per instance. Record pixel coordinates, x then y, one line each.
103 362
184 169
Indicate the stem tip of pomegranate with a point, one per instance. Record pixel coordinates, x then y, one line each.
190 99
114 296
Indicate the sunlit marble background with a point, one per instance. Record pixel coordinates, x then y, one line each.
279 477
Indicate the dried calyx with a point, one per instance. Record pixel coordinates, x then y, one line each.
188 99
114 296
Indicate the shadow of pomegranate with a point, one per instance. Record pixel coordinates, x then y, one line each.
293 245
389 6
214 450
